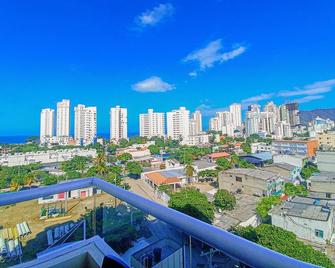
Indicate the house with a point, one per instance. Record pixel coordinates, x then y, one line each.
295 160
291 172
251 181
311 220
214 156
326 160
305 148
73 194
175 177
257 147
202 165
323 185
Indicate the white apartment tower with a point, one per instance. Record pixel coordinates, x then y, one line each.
63 119
225 123
178 124
214 124
236 115
252 122
118 123
47 124
197 118
152 124
85 124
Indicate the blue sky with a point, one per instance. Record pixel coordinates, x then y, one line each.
162 55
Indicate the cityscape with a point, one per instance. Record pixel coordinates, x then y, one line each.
229 161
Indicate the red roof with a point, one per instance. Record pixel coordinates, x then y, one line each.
218 155
159 179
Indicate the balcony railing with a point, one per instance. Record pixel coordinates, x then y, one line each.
237 248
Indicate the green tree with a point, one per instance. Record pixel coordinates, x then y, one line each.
193 203
123 143
224 200
264 206
308 170
125 157
292 190
284 242
189 171
154 149
223 163
134 168
246 147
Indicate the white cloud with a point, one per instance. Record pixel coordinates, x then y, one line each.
152 84
263 96
212 53
312 89
193 74
154 16
309 98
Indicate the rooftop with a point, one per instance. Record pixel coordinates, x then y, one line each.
218 155
257 173
203 164
323 176
303 208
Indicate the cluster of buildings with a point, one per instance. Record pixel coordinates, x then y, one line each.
56 129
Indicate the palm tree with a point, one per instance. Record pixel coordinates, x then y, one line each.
100 164
29 178
189 171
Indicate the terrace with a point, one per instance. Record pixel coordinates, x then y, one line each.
200 244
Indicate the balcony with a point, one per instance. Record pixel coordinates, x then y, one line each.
116 228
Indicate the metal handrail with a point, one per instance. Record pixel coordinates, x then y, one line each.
236 247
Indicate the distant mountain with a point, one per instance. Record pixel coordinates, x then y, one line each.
307 116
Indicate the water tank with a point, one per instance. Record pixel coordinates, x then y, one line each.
157 255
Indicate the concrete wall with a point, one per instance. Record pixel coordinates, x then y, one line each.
289 159
305 228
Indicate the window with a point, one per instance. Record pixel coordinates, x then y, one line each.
239 179
328 195
318 233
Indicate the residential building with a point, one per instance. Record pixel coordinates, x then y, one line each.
252 122
44 157
197 118
152 124
267 122
47 124
326 161
197 140
308 219
225 123
270 107
323 184
254 108
63 119
118 124
214 124
178 124
85 124
251 181
236 115
300 147
319 125
258 147
283 130
291 159
293 113
326 140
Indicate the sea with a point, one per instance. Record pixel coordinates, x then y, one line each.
22 139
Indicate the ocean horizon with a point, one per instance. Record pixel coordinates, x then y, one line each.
20 139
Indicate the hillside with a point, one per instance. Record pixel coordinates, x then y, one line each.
307 116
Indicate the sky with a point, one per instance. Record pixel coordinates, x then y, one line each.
162 55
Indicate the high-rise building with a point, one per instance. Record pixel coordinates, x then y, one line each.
267 122
270 107
225 123
197 117
214 124
47 124
178 124
152 124
63 119
293 113
118 123
254 108
85 124
252 122
283 130
236 115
